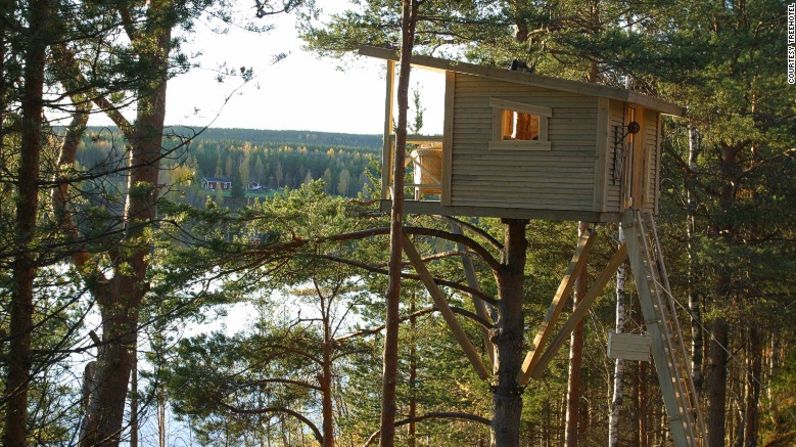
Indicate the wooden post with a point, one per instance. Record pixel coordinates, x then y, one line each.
583 308
556 306
442 304
386 151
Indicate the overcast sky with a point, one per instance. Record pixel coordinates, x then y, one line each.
301 92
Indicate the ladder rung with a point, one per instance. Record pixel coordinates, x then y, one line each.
683 402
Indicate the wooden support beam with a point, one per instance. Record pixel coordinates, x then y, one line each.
583 308
442 304
556 306
472 282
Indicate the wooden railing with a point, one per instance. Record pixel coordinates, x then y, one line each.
424 176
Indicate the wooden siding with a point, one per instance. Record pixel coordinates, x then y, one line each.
601 167
613 195
560 179
652 158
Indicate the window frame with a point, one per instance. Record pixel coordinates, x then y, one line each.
498 105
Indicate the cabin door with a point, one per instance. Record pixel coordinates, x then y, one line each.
634 180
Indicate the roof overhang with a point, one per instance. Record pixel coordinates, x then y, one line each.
517 77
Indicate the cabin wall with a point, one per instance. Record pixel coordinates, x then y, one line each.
653 158
613 196
562 178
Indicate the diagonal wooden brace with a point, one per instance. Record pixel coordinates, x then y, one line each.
556 306
442 304
479 304
582 310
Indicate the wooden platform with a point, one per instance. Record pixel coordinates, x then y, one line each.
436 208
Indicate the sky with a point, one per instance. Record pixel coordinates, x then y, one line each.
301 92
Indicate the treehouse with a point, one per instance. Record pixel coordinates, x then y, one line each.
520 145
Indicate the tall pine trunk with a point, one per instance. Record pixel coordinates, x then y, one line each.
507 338
134 400
694 301
24 265
716 382
120 298
617 399
412 432
327 404
754 368
574 381
393 296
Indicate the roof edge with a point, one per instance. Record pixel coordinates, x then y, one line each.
583 88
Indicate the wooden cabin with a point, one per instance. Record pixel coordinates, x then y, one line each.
520 145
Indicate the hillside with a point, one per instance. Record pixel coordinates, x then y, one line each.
268 137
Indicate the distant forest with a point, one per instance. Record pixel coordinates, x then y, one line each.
271 159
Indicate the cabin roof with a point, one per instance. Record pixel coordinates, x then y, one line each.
583 88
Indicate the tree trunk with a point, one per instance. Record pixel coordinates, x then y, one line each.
390 358
574 382
24 267
162 418
119 298
134 400
694 304
716 381
754 368
412 372
507 338
636 390
113 367
619 367
642 398
327 404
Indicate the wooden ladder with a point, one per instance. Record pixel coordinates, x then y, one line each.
660 316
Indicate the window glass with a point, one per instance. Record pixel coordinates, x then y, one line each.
519 126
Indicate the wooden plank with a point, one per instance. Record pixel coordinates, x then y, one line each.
581 311
528 79
386 150
613 193
423 139
639 165
658 163
442 304
556 306
494 203
628 346
530 181
447 140
436 209
520 106
519 145
650 135
601 162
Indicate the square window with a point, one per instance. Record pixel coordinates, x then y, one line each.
519 126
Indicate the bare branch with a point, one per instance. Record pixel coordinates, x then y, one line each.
442 282
266 410
434 415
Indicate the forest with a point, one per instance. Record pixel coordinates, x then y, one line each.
298 308
264 160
